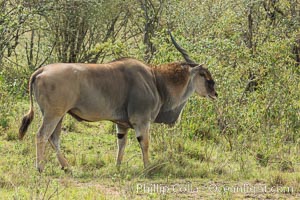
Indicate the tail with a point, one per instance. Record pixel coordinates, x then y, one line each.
27 119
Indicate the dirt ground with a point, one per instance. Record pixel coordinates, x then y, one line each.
183 189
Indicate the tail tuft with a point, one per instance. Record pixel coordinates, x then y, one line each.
27 119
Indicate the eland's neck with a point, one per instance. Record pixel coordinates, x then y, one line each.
174 84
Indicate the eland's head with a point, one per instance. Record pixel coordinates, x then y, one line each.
203 82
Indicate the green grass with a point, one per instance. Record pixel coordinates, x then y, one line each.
181 156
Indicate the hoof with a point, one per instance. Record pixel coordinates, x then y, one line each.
67 170
40 168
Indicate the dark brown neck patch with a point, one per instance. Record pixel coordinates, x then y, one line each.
174 73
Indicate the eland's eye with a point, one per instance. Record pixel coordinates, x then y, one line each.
201 73
210 82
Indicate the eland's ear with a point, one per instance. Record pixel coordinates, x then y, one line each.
198 70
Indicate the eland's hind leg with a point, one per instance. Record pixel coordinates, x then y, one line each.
55 143
50 122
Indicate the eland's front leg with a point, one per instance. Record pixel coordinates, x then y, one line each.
142 135
122 140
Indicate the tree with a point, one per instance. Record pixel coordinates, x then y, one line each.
12 17
152 11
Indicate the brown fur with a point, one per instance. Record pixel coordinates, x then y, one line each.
207 74
26 121
175 72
